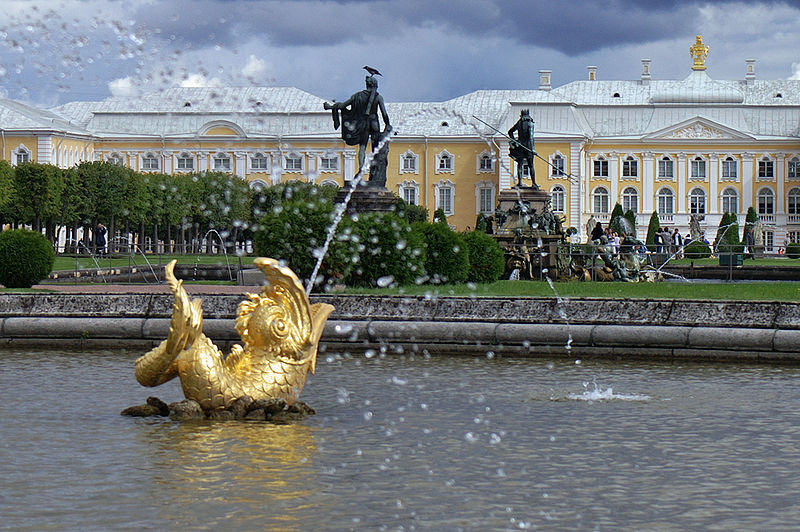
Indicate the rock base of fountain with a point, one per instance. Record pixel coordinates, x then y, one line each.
244 408
367 198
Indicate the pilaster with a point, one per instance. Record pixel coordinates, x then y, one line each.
747 181
648 181
712 205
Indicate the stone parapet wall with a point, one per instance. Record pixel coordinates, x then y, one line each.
676 329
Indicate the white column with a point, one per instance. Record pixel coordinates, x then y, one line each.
747 181
681 188
506 166
240 163
613 177
574 190
277 166
648 181
45 150
349 157
780 200
713 182
202 160
166 161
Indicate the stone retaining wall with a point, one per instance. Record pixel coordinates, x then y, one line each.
629 328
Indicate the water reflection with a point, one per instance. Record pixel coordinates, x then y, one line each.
403 442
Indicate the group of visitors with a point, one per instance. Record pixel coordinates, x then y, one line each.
671 242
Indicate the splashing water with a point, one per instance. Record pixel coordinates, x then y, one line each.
593 392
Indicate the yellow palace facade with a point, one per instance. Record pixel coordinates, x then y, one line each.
695 146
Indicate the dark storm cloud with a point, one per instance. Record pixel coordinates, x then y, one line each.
572 28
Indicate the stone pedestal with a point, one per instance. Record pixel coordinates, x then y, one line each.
366 198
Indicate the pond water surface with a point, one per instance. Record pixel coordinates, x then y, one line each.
401 443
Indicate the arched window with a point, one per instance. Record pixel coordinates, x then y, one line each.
293 162
22 155
630 199
766 168
149 162
115 158
793 201
484 197
444 162
698 168
666 168
794 168
259 162
766 201
630 167
558 198
600 200
730 201
697 201
445 196
730 168
408 163
485 162
666 201
185 162
222 162
409 191
557 168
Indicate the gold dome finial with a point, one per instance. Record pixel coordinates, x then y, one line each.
699 52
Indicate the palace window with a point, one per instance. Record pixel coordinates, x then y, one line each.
293 163
793 201
185 162
630 199
115 158
558 199
630 167
526 170
444 162
730 168
408 163
409 191
22 155
445 192
794 168
698 168
666 168
149 162
730 201
557 166
766 169
329 163
222 162
485 197
259 161
600 169
766 201
697 201
666 201
600 200
485 163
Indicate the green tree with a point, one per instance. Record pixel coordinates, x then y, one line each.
616 215
487 260
411 213
446 253
6 190
37 193
652 229
102 188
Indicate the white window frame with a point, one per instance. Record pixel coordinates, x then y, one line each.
765 201
601 200
793 201
482 158
216 160
441 188
766 169
630 168
558 199
698 168
602 163
698 201
294 157
630 201
150 162
729 195
21 152
793 168
484 197
181 159
666 168
730 169
329 162
115 158
409 156
443 157
408 188
665 200
558 165
263 162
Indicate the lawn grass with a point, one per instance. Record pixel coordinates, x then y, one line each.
68 263
744 291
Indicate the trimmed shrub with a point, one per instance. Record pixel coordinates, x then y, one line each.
378 249
652 229
793 250
411 213
446 255
26 257
727 239
616 214
697 250
439 216
486 258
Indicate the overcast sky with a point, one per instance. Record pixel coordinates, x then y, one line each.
52 52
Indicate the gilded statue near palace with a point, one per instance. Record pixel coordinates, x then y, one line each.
280 331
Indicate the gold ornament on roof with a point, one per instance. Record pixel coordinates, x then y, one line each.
699 52
280 331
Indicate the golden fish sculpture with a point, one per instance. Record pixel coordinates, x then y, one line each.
280 332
